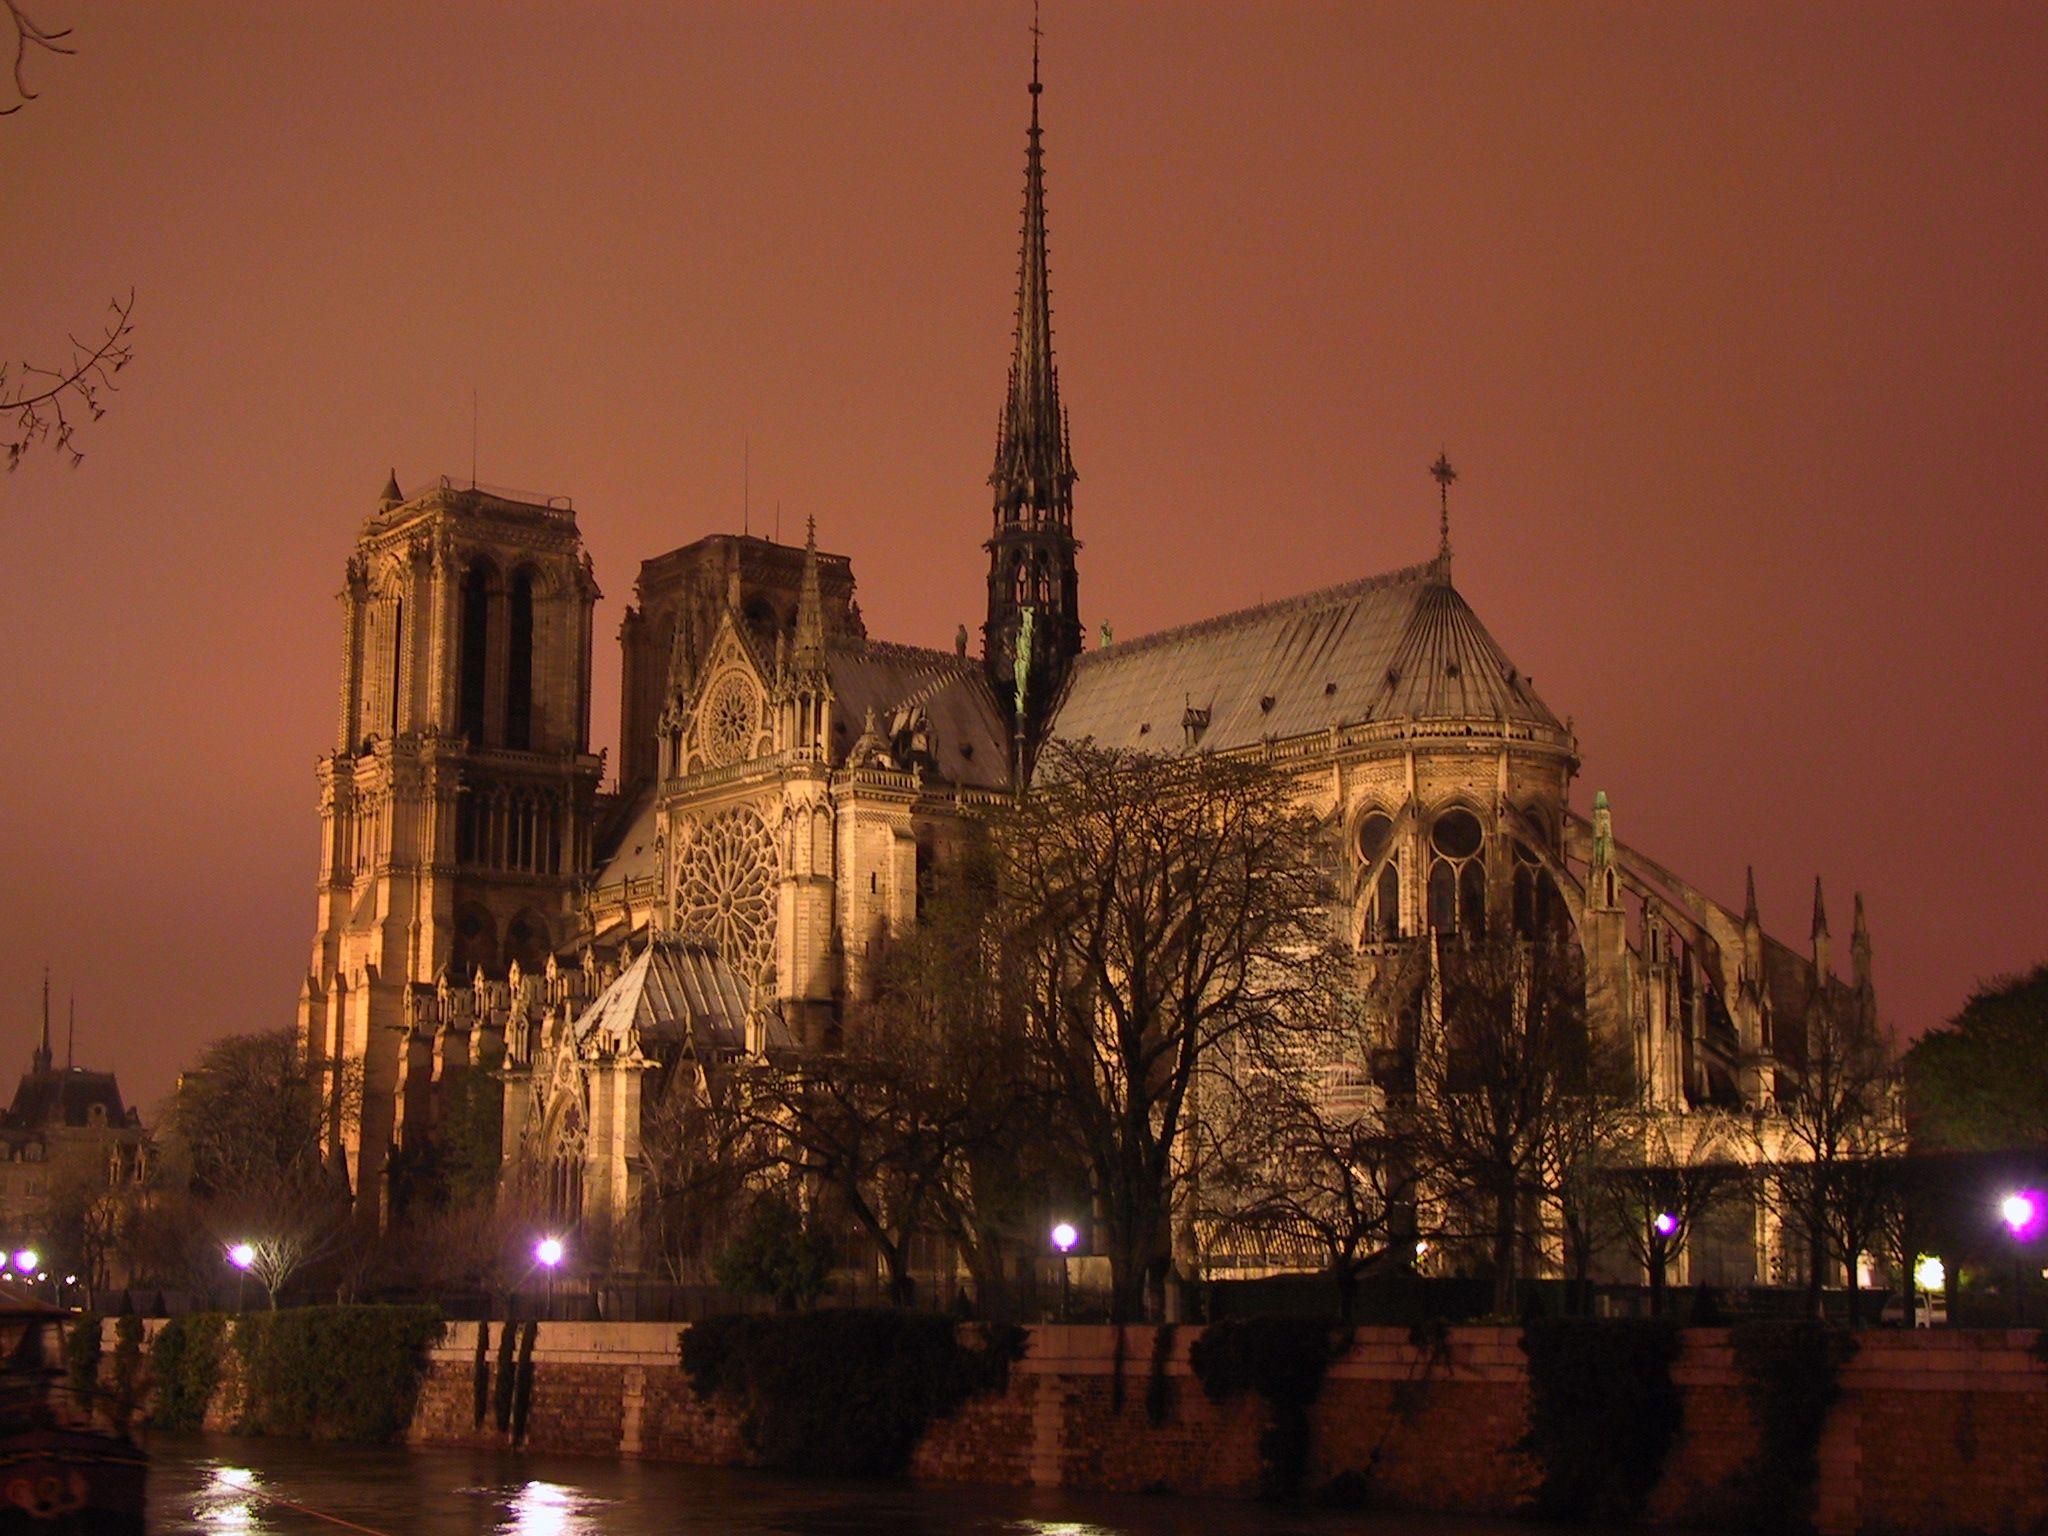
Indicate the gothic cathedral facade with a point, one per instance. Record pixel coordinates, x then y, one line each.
785 783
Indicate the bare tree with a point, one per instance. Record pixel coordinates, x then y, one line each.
1663 1176
1832 1147
45 405
28 35
1157 909
243 1147
1513 1090
696 1166
1304 1160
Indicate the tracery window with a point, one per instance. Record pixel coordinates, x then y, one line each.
1383 901
1538 909
1457 873
726 875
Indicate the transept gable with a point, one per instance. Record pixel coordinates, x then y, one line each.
725 719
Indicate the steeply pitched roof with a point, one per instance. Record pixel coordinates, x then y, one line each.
1403 646
64 1096
968 736
675 991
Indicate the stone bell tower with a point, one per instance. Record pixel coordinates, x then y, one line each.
457 805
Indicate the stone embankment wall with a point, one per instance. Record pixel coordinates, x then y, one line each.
1935 1432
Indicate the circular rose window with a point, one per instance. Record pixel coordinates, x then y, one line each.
731 720
726 876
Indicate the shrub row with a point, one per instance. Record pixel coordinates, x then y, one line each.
325 1373
847 1391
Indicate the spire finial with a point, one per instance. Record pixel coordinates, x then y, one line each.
1036 34
1820 908
1445 477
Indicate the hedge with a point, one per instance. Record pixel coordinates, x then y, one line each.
1283 1359
333 1373
1603 1414
847 1391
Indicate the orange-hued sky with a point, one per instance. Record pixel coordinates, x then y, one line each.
1734 319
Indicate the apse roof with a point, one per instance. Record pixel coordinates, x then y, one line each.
676 991
1402 646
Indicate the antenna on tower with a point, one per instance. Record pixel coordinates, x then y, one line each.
472 437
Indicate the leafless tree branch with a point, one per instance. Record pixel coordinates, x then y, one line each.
28 35
46 414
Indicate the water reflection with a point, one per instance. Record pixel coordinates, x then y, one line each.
212 1485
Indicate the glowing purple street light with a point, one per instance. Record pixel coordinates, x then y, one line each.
2022 1211
242 1255
548 1252
1665 1223
1064 1237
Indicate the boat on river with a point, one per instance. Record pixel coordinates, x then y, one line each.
63 1467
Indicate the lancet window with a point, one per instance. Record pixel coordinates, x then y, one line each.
1457 873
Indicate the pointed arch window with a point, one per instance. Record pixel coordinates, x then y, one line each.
1383 901
1457 873
1539 910
397 663
519 666
476 650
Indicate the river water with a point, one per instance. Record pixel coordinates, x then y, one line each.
215 1484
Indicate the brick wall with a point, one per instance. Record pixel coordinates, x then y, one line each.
1937 1431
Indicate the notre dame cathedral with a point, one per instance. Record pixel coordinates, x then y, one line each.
785 781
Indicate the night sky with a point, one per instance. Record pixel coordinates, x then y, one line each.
1733 319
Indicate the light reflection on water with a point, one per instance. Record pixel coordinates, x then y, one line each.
208 1485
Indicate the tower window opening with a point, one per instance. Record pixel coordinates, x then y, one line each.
397 661
519 666
476 650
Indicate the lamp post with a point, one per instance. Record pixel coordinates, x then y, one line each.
1064 1237
2022 1211
243 1257
548 1253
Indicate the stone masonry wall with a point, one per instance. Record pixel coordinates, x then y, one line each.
1937 1431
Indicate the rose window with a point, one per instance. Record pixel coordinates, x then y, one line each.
731 720
725 892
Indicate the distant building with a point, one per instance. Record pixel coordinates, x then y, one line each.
68 1130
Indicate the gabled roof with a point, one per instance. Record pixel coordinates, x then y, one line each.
1403 646
628 853
968 736
676 991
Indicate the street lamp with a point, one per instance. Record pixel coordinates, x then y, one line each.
243 1257
548 1252
27 1261
2022 1211
1665 1223
1064 1237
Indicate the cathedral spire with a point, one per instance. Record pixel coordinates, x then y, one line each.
1032 547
